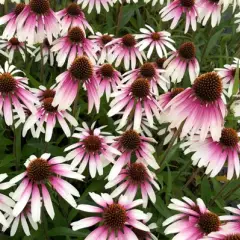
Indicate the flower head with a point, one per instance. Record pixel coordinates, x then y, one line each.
130 142
73 16
201 107
40 173
37 21
116 218
14 93
93 148
125 49
153 40
181 60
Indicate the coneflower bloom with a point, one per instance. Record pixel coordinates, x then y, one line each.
39 174
134 177
97 4
135 99
176 9
193 222
213 154
131 143
201 107
102 40
24 218
116 218
93 148
81 72
73 16
108 78
72 45
10 20
13 45
36 22
14 93
209 9
143 234
181 60
48 115
153 40
125 49
46 53
149 71
223 235
6 202
227 74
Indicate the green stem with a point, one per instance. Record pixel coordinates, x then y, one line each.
231 192
186 165
195 173
206 45
211 202
75 104
119 19
42 65
17 145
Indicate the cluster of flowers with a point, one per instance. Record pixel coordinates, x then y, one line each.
91 65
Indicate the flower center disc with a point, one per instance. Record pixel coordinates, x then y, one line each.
128 40
19 7
92 143
232 237
115 216
38 170
81 68
175 92
140 88
106 39
14 41
229 137
147 70
130 140
160 62
48 93
7 83
208 87
40 7
155 36
187 50
187 3
137 173
47 104
209 222
107 70
76 35
73 9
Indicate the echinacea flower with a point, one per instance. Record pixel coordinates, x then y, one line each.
79 74
125 49
227 74
36 22
148 71
209 9
177 8
116 218
46 53
130 143
48 115
213 154
201 108
134 177
102 40
73 16
223 235
6 203
97 4
153 40
14 93
24 218
93 148
40 173
10 20
73 44
181 60
193 222
13 45
108 78
135 99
